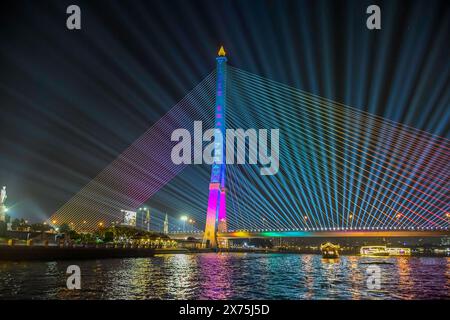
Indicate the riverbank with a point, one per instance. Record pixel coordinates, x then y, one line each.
52 253
41 253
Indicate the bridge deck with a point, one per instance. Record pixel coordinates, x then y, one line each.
318 234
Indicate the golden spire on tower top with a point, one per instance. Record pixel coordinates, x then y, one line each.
221 52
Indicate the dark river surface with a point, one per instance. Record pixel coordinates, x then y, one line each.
230 276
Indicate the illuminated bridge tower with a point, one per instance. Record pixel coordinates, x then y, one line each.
216 215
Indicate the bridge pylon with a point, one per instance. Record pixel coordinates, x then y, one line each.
216 214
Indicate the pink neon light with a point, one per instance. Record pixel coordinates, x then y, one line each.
214 186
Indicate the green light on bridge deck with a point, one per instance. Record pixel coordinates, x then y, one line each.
285 234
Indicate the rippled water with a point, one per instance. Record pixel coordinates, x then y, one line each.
230 276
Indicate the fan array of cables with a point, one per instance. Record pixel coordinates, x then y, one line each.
139 171
340 168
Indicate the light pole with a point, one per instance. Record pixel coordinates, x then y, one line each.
184 219
146 218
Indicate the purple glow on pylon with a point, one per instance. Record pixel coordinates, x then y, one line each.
222 216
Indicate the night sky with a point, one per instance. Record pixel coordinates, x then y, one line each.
71 101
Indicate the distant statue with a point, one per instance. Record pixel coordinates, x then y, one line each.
3 205
3 196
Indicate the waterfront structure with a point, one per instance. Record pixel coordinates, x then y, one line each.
216 216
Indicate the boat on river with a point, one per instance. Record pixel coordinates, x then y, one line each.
329 250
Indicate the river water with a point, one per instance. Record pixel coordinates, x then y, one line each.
230 276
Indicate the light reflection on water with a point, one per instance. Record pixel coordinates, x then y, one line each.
230 276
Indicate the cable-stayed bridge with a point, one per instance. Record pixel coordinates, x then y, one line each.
342 171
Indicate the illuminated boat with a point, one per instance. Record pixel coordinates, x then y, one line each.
374 251
329 250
